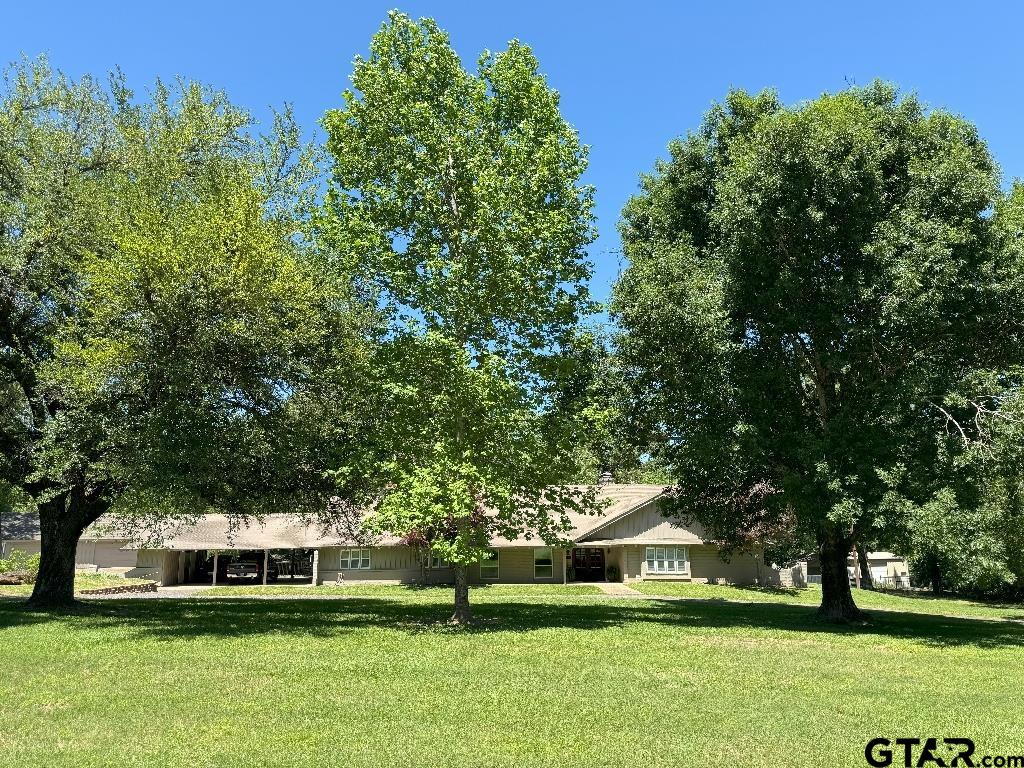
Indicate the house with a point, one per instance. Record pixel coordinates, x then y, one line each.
887 570
631 541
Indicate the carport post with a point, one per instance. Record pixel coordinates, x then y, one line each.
266 562
215 554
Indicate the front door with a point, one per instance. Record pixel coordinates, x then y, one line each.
588 563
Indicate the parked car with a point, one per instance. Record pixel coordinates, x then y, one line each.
251 569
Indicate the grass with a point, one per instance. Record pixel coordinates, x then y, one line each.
921 602
82 581
541 680
402 591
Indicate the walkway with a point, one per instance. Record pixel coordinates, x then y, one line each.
617 589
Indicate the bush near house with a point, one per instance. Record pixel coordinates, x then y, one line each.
19 568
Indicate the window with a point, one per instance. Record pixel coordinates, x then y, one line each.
354 558
667 560
542 563
489 566
436 561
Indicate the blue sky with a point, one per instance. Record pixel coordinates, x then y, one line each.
632 75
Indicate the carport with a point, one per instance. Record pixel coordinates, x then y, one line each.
202 549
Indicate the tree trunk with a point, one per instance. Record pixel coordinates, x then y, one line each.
935 574
55 582
866 582
836 598
462 614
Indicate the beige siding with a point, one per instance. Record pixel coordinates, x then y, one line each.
91 554
401 565
705 565
647 524
615 556
159 565
104 554
515 566
29 546
393 564
633 557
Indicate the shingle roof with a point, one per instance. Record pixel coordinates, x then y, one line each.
276 531
289 531
19 527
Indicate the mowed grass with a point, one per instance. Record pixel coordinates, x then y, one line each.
539 681
82 581
401 591
918 602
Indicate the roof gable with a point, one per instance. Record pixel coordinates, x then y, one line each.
643 524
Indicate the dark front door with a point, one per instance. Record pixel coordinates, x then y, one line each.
588 563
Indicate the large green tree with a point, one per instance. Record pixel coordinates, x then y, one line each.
457 197
158 309
594 389
807 285
955 507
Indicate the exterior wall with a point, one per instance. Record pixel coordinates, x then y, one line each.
881 568
392 564
633 557
159 565
705 565
102 555
515 566
647 523
400 565
619 556
30 546
630 535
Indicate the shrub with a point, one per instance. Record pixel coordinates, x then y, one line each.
612 573
21 563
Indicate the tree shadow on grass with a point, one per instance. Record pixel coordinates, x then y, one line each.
925 597
785 591
172 619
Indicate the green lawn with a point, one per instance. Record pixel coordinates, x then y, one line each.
403 592
910 603
540 681
82 581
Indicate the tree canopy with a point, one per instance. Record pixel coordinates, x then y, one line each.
159 310
807 286
456 199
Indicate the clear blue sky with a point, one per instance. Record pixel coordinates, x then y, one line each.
632 75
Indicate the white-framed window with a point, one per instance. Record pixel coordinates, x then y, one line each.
543 565
436 561
667 560
354 559
489 566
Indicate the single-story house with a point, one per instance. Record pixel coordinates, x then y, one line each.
630 541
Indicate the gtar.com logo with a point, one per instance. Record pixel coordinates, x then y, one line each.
943 753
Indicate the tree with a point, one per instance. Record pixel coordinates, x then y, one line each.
456 196
157 307
806 285
954 505
595 391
